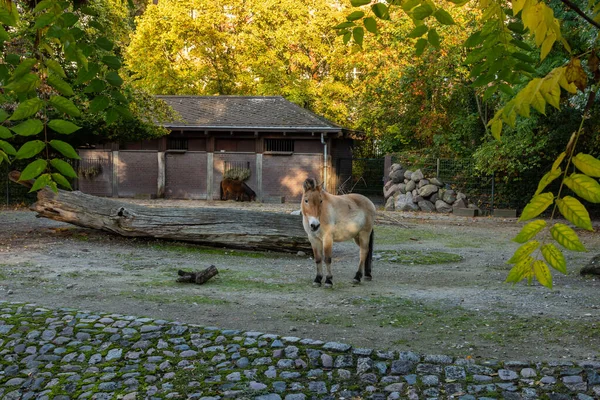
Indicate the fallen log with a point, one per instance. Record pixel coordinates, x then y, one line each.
217 227
198 277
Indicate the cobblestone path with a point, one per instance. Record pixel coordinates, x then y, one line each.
69 354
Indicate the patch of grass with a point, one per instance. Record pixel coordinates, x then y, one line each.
386 234
418 257
172 298
184 248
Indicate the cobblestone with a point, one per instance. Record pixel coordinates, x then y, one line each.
68 354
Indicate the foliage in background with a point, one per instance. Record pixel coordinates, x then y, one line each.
512 41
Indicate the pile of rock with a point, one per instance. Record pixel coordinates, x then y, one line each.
408 190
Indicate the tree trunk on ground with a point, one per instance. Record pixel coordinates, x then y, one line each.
198 277
217 227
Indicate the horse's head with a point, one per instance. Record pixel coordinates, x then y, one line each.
312 202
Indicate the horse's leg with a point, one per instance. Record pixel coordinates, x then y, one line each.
369 259
317 248
361 265
365 242
327 252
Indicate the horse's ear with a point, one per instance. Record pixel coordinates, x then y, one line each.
321 187
309 184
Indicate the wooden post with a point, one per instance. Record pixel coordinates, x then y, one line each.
259 177
161 181
115 173
210 168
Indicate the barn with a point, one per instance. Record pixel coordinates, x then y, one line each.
279 142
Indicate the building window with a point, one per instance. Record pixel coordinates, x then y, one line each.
177 144
279 145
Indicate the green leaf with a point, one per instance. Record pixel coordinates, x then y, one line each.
89 11
5 133
344 25
63 167
587 164
523 57
575 212
355 15
420 46
27 108
409 4
525 67
61 86
44 20
474 40
124 111
28 128
84 75
433 38
554 257
24 84
524 251
61 180
95 86
9 15
530 230
585 187
7 147
358 3
516 27
3 115
55 67
418 31
370 24
62 126
43 5
111 116
422 12
23 68
358 34
347 37
118 96
547 179
30 149
33 170
520 270
104 43
542 273
65 105
536 206
4 157
112 62
99 103
443 17
114 79
566 237
521 44
69 19
12 59
41 182
380 10
65 149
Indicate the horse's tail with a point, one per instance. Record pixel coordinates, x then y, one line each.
221 190
369 260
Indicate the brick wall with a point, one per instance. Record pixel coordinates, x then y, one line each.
137 173
219 164
284 175
186 175
100 185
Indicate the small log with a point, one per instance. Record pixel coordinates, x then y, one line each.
198 277
217 227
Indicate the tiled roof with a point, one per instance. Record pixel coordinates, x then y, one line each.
244 112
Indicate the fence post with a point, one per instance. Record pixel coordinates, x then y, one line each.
493 190
437 170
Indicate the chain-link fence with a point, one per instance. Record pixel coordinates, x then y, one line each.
488 192
10 192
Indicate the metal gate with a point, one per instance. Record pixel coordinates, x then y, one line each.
360 175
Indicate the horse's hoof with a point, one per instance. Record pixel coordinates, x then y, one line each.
368 278
355 281
316 284
329 286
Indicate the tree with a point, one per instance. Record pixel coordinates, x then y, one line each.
499 60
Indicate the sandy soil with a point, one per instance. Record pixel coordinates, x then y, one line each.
437 288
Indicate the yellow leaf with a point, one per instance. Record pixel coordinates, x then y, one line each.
530 230
587 164
566 237
536 206
555 257
542 273
497 128
547 179
539 103
524 251
558 160
584 186
521 270
551 89
517 6
575 74
575 212
568 86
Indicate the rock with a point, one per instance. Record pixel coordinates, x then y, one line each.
459 203
443 207
428 190
422 183
462 196
427 206
390 204
301 254
404 202
395 167
397 176
392 190
416 176
593 267
449 196
434 197
417 199
436 182
410 186
408 173
387 185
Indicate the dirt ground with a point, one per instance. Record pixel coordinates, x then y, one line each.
437 286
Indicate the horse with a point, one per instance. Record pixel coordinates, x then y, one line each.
328 218
237 190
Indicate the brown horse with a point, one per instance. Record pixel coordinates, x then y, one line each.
236 190
328 218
